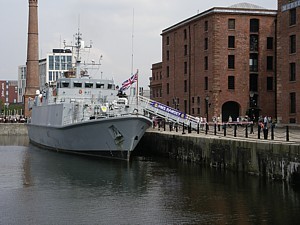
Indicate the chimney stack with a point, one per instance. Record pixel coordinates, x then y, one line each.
32 65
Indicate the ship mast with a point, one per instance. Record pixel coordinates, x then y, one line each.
78 43
78 46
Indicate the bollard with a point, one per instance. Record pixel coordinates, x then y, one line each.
183 129
235 128
258 132
287 133
265 131
206 128
219 127
272 132
246 130
251 128
224 127
176 127
198 128
215 129
190 128
164 125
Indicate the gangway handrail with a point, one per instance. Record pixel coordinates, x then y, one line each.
167 112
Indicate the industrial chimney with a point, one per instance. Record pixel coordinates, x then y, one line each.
32 74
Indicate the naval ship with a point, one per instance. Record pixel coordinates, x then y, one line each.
85 115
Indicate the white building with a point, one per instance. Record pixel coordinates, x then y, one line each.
53 67
50 69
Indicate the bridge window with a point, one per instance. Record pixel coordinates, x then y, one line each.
99 85
88 85
65 84
77 84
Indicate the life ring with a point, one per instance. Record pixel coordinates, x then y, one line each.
80 91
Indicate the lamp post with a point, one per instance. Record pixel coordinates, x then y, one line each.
206 107
251 105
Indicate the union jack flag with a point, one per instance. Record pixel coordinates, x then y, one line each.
127 83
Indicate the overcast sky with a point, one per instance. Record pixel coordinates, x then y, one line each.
108 23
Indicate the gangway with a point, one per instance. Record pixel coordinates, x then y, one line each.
168 113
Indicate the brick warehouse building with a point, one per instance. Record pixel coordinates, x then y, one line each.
219 63
288 57
8 92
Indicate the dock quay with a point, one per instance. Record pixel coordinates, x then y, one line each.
277 159
7 129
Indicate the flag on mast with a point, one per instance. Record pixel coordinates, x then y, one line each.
127 83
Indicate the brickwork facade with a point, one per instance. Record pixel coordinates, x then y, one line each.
8 92
32 74
220 63
288 58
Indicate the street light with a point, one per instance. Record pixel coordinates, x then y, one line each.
251 105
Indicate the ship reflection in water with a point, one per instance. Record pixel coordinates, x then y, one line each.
45 187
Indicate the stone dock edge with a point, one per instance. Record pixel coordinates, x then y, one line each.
271 159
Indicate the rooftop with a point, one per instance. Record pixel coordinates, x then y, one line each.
245 5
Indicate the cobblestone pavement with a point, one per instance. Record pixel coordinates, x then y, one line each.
279 135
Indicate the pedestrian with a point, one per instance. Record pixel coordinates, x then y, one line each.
201 123
229 121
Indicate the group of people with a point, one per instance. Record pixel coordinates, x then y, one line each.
13 119
265 123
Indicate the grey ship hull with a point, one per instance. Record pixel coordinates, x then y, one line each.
106 137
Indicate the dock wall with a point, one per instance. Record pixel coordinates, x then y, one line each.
275 160
13 129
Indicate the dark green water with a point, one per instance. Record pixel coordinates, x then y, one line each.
43 187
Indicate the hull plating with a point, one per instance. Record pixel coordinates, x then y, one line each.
120 134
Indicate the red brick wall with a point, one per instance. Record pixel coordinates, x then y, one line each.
285 86
217 72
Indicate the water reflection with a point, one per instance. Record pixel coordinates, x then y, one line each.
45 187
14 140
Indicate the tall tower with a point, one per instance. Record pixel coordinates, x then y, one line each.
32 76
